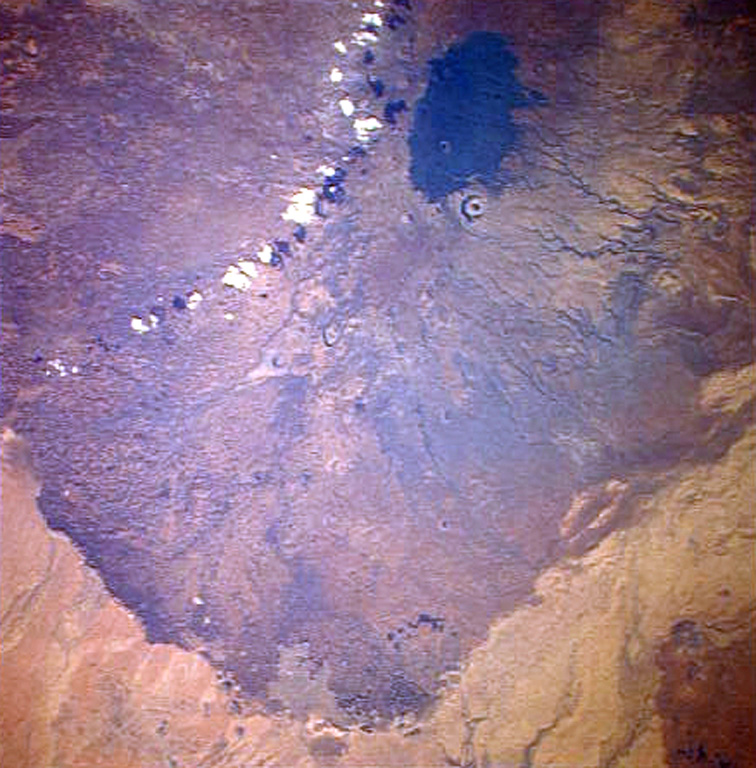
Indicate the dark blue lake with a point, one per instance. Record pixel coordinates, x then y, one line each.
463 125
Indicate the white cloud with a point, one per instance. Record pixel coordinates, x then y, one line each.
265 254
372 20
139 325
235 278
302 207
366 126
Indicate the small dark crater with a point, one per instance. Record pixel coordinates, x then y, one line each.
333 190
394 21
392 109
300 233
368 57
376 86
179 302
331 333
472 207
436 623
260 478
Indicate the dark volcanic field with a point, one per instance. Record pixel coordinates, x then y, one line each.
373 452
